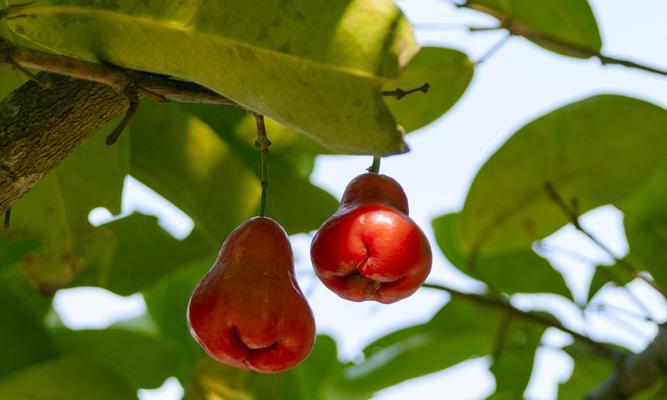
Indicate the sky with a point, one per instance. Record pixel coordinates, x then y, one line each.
516 84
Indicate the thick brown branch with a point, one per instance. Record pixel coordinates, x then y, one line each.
39 127
635 372
499 303
117 78
516 28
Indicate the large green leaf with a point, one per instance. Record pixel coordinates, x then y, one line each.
146 360
68 378
597 151
176 150
645 220
292 200
458 332
55 212
180 157
549 23
144 254
13 251
513 362
448 73
238 126
313 65
167 301
514 271
23 338
308 381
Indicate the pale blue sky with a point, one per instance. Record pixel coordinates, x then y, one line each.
520 82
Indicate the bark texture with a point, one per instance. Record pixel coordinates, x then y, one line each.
39 127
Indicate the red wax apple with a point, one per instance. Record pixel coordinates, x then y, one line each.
248 311
370 249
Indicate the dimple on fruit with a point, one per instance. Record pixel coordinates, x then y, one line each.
370 249
248 311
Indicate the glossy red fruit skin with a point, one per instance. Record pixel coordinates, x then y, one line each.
370 249
248 311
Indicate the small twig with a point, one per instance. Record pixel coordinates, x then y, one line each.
499 303
375 166
27 73
501 335
573 217
604 306
515 27
493 49
263 144
8 217
440 26
399 93
540 246
615 319
485 28
133 99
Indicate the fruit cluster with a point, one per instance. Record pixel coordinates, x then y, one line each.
249 312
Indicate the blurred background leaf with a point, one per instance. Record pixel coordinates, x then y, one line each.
68 378
582 150
514 271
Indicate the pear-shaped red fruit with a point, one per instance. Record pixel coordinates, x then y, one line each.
248 311
370 249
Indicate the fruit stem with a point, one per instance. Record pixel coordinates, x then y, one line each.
375 167
263 144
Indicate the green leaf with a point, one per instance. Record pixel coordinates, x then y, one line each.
308 381
180 157
549 23
24 338
55 212
237 126
167 301
318 68
144 254
9 79
13 251
458 332
448 73
146 360
589 371
515 271
292 200
513 365
645 220
173 149
583 149
68 378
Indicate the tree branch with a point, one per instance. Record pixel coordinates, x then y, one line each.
516 28
50 116
39 127
499 303
635 372
150 85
